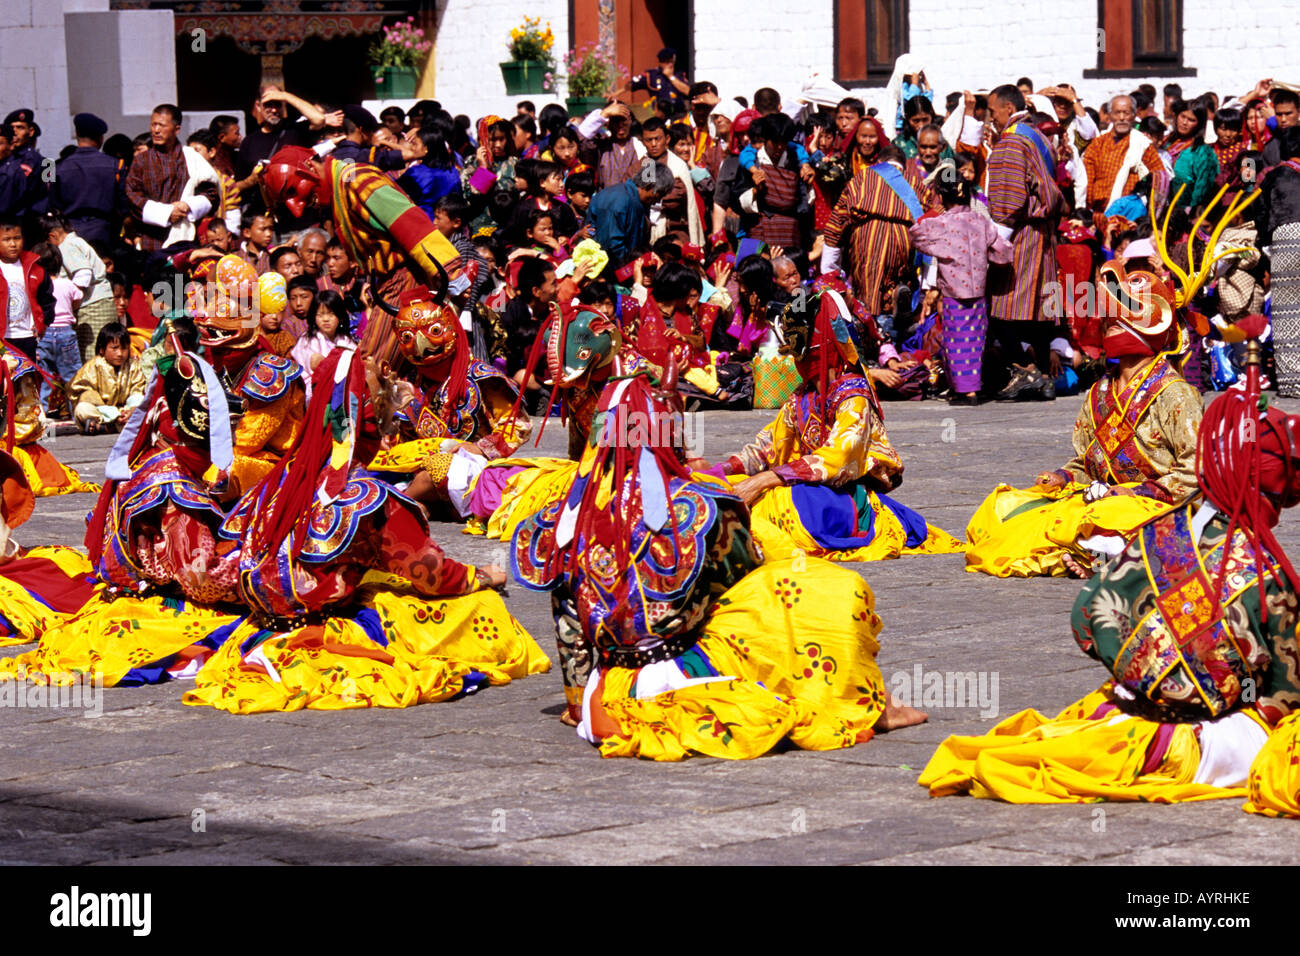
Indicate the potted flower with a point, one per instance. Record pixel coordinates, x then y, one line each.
531 67
593 75
398 57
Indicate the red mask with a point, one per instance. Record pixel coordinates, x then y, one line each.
289 181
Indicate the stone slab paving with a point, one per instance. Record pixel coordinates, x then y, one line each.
497 779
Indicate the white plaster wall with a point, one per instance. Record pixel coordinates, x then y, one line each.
34 66
125 65
742 45
472 42
977 44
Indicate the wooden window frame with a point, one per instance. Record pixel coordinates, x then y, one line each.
1140 65
876 75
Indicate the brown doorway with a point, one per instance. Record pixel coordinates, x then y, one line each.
641 29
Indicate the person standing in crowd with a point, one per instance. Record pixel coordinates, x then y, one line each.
620 213
870 221
157 179
1118 159
1286 113
1025 202
86 187
1278 221
963 243
13 179
83 266
1196 166
25 290
25 131
663 82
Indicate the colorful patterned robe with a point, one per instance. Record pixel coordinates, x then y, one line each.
368 526
799 447
390 238
268 396
872 221
1151 618
482 421
1023 196
661 607
160 533
1147 434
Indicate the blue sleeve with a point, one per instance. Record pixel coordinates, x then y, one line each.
748 156
417 183
12 186
387 159
801 153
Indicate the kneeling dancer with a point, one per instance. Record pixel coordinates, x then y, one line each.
674 637
354 605
1196 621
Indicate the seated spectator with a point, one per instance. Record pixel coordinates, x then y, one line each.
543 189
434 174
259 232
535 290
620 214
105 390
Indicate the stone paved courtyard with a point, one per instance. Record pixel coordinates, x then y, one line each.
496 778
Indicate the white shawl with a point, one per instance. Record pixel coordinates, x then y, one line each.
158 213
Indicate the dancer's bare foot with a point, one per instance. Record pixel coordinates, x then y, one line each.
1074 568
898 715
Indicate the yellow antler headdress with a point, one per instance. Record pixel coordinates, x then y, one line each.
1191 281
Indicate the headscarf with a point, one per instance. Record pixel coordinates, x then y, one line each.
741 124
858 162
908 63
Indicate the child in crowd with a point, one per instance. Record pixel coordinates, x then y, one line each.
281 339
58 352
105 390
963 243
543 191
258 235
539 235
25 292
578 190
121 295
327 329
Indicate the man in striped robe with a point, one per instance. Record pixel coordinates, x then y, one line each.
388 236
1026 206
870 220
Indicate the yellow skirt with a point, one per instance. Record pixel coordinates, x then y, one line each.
46 474
542 481
23 618
1019 532
129 641
776 525
1275 774
1029 758
792 654
436 649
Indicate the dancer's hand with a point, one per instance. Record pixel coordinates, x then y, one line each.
492 576
1049 480
754 487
